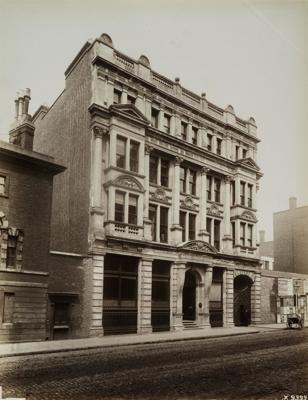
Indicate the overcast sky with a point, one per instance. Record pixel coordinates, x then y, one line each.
250 54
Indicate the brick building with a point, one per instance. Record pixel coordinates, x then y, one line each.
154 220
291 239
26 180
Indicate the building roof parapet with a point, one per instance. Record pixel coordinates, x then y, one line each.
168 86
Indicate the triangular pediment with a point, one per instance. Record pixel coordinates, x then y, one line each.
129 111
199 245
248 162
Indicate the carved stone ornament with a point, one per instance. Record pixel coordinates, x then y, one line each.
248 216
205 170
227 178
99 131
178 160
251 275
128 182
3 221
214 211
200 245
148 149
188 202
159 195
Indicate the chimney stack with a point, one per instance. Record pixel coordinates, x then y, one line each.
22 130
262 236
292 203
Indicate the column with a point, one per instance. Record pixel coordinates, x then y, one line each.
145 295
207 287
172 125
199 138
148 109
202 135
161 120
175 228
228 280
110 87
227 239
203 234
214 143
97 210
111 203
140 103
256 300
96 325
189 131
178 274
147 224
124 96
237 191
112 148
177 125
228 146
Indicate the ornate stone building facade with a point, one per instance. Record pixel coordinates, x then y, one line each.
154 220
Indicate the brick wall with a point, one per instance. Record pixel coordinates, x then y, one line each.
269 290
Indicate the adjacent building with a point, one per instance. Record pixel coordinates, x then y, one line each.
26 179
154 220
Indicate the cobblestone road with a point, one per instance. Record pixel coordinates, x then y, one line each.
260 366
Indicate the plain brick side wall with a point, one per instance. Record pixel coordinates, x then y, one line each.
269 292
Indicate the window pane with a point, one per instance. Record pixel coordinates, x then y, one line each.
194 135
128 288
166 123
192 227
119 207
2 185
183 131
160 290
61 313
209 142
209 228
132 209
192 182
217 189
182 179
218 147
217 234
116 96
134 156
164 224
209 187
152 216
121 149
154 117
164 174
153 169
11 252
183 224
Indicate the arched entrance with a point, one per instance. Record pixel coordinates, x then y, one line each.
242 300
189 296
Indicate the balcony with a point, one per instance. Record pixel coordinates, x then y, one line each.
123 230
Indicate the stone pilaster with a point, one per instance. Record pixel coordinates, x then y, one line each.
124 96
178 278
110 87
189 131
161 120
145 295
228 281
227 239
97 210
96 328
207 287
147 224
203 234
256 300
140 103
228 146
175 228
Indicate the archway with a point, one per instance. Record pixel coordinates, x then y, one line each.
189 296
242 300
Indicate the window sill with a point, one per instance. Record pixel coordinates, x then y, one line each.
215 202
127 171
188 194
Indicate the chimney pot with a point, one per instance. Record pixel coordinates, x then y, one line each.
292 203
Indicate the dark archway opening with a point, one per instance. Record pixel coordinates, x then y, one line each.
189 296
242 300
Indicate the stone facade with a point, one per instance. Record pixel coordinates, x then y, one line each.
25 208
155 216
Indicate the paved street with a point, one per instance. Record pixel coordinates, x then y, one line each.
267 365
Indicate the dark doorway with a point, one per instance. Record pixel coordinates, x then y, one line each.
160 313
120 294
60 307
189 297
242 300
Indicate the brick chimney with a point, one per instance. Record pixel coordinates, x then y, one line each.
22 129
292 203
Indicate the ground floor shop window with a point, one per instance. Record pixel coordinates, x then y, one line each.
160 314
216 298
120 294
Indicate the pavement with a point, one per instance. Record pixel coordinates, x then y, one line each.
53 346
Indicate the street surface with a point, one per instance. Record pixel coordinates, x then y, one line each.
268 365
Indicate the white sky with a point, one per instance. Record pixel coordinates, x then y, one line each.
250 54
